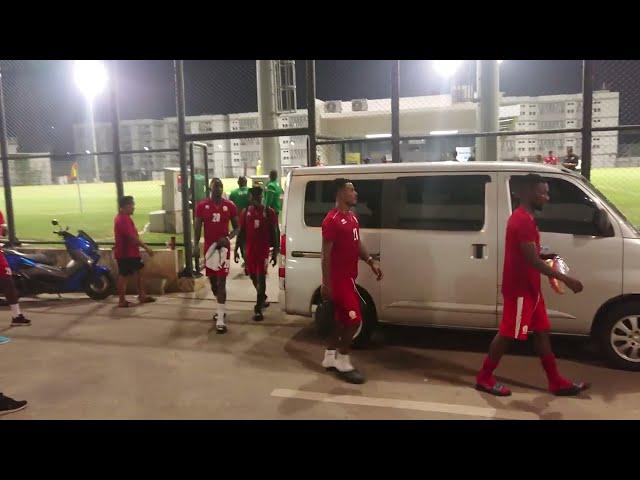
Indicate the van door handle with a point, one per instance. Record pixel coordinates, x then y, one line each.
478 250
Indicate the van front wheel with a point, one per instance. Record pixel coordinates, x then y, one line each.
619 336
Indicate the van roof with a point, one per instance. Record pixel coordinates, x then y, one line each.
449 166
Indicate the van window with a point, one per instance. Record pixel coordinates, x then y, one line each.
441 202
569 210
320 197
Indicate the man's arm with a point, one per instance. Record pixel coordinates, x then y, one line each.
241 239
235 223
275 238
375 267
197 231
530 253
325 290
135 239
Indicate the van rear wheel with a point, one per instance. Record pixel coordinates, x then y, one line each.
619 336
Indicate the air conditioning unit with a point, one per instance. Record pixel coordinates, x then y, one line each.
334 106
359 105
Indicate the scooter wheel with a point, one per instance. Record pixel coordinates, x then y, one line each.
99 286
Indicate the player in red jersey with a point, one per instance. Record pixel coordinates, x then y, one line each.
8 287
341 249
258 233
524 309
216 213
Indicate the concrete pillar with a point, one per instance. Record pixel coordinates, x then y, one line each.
270 154
487 114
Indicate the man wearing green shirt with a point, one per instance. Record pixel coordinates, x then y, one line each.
273 193
240 198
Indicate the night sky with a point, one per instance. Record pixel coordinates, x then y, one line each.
40 95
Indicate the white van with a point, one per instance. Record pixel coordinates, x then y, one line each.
438 230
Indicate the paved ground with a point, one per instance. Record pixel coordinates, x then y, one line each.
88 360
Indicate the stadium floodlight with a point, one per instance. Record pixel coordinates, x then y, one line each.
91 79
446 68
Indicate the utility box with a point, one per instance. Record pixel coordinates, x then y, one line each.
169 219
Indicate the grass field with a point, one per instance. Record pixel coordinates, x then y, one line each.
35 206
622 187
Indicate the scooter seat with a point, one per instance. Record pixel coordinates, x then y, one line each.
34 257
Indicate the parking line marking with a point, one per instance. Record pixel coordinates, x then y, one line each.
450 408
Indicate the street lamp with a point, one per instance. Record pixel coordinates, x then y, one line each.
446 68
91 78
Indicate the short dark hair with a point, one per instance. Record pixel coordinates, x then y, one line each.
273 174
242 180
339 184
255 190
529 181
126 200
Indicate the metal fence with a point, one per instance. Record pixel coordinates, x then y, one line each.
71 158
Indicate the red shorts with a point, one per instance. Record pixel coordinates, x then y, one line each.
257 264
522 315
5 270
346 302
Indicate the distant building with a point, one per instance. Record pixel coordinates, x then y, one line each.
363 118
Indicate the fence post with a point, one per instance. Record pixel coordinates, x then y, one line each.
311 111
178 67
395 111
587 114
115 129
4 153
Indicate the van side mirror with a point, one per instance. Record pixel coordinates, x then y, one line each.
602 222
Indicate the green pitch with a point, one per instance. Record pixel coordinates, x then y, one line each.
35 206
622 187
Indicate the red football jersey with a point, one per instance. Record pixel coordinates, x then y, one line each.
518 276
124 229
215 217
258 224
343 229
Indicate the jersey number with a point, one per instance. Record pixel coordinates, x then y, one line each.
355 234
216 218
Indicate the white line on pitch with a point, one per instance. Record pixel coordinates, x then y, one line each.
450 408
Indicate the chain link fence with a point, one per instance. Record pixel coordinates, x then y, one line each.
616 154
52 142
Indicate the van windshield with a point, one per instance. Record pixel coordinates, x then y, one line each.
610 204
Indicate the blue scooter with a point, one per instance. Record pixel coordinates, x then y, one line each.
34 274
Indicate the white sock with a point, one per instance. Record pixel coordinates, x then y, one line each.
329 358
329 353
220 320
15 310
343 363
